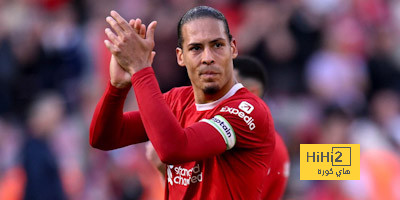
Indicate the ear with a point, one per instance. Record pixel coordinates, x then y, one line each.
179 57
234 49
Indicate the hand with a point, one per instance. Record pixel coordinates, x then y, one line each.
132 51
119 77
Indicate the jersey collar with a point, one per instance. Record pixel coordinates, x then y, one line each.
211 105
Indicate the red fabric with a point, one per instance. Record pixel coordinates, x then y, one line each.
173 143
200 167
235 174
275 182
110 127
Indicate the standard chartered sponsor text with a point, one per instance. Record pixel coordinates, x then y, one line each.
183 176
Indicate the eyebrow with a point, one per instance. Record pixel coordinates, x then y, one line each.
194 44
213 41
216 40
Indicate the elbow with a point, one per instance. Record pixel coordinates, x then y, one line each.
169 157
165 159
97 145
94 144
96 141
93 141
175 153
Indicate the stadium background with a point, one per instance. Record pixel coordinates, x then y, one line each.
333 75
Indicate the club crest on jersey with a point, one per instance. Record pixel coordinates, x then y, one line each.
246 107
247 119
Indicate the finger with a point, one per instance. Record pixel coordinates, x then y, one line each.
113 49
138 24
121 21
132 23
153 54
111 36
114 25
142 31
150 30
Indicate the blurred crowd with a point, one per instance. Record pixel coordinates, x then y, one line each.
333 77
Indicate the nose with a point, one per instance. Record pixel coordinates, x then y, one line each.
207 57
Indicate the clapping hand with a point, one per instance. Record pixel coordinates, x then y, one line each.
131 46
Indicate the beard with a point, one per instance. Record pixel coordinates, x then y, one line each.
211 90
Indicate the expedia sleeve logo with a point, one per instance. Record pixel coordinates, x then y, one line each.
224 128
246 107
246 118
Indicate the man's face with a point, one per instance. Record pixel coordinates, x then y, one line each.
207 54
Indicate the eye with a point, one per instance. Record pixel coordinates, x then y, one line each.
194 48
218 45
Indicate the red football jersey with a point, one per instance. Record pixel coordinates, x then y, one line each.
275 182
245 123
218 150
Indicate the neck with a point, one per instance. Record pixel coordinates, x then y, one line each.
201 97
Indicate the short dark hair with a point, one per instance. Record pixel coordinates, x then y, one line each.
250 67
201 12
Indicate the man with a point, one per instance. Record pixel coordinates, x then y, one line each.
251 73
215 135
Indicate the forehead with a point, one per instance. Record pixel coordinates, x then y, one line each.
203 30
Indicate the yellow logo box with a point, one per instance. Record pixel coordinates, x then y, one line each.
329 161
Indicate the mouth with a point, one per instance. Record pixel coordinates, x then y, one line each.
207 75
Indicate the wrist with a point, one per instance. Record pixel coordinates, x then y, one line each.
120 92
120 85
133 70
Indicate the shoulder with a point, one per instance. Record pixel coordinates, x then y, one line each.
180 90
245 95
246 109
245 103
178 93
244 121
